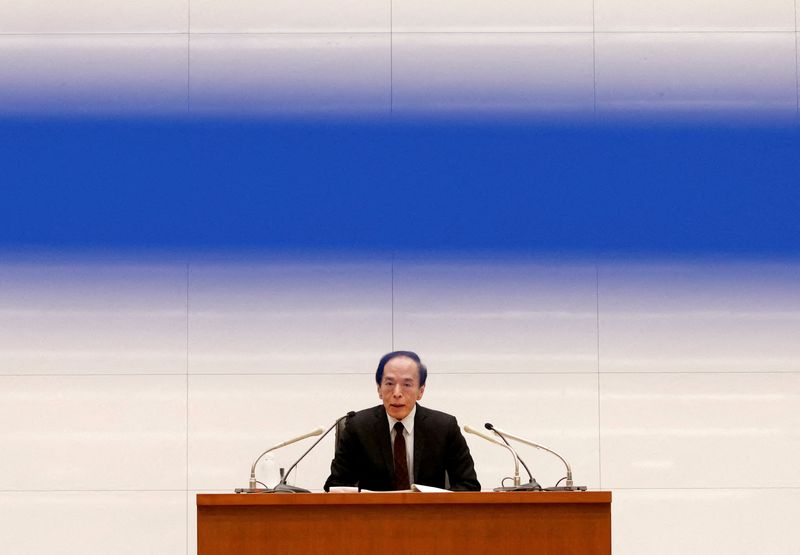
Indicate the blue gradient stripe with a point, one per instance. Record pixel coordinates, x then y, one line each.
298 184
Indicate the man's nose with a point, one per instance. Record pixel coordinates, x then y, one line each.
397 391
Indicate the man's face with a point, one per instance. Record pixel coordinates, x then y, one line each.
399 389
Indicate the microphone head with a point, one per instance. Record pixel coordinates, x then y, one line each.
351 414
488 426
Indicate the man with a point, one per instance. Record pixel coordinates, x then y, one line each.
391 446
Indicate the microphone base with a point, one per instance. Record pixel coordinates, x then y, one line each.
286 488
566 488
280 488
530 486
525 487
251 490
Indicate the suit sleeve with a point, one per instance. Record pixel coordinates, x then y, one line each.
344 466
460 466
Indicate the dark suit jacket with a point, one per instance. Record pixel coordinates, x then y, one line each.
364 453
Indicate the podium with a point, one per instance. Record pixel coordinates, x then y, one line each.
440 523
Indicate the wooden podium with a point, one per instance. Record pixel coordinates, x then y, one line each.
437 523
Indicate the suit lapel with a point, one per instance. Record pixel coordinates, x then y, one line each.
419 439
384 440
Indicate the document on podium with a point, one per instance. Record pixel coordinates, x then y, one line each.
414 488
428 489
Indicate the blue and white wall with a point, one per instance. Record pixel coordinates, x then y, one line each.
369 57
216 216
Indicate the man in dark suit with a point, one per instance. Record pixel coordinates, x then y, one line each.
393 445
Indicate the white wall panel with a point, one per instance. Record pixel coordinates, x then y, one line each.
290 74
191 518
698 15
699 384
94 16
696 73
93 432
485 16
692 430
488 316
73 317
232 419
312 16
93 522
697 522
93 74
558 411
492 73
723 317
313 316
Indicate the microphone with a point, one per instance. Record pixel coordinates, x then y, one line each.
569 483
532 483
253 484
282 486
470 430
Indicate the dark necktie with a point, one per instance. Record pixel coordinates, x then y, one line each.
400 460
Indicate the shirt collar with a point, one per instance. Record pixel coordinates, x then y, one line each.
408 421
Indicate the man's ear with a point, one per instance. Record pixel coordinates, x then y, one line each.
379 393
421 391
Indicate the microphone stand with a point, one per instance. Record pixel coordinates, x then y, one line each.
282 486
531 486
253 483
569 485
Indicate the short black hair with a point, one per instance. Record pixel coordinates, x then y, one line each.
423 371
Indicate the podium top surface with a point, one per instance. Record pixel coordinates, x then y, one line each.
450 498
